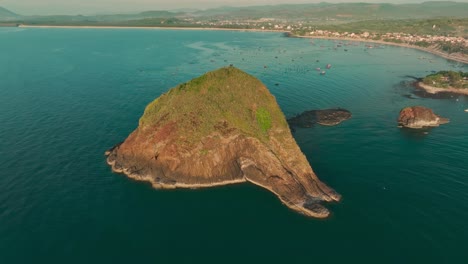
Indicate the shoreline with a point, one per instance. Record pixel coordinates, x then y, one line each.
457 57
436 90
158 185
151 28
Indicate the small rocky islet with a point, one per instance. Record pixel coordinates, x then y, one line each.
221 128
324 117
417 117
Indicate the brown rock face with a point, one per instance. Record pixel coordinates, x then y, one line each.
221 139
419 117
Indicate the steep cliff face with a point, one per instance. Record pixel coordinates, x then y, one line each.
419 117
223 127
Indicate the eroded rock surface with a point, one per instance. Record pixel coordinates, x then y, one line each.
221 128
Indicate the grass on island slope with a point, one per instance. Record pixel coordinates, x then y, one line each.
225 95
446 79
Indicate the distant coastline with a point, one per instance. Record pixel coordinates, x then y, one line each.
150 27
454 56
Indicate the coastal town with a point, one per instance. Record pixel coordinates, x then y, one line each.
393 37
453 47
309 29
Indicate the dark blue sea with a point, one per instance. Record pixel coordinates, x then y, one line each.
67 95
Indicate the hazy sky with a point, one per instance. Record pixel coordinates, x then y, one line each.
28 7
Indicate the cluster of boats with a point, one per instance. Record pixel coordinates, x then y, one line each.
322 72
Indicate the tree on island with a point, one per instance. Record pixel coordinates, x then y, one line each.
446 79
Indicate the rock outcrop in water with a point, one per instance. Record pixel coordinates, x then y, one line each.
221 128
419 117
326 117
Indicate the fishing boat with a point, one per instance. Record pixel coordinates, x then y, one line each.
328 66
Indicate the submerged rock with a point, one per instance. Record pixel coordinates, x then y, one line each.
221 128
326 117
419 117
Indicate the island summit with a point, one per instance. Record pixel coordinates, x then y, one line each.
221 128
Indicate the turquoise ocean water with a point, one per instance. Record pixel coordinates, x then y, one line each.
66 95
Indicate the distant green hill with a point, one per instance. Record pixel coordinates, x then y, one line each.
142 15
334 13
343 11
6 15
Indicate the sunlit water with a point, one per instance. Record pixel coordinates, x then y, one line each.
66 95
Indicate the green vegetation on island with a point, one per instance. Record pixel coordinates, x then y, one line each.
447 79
227 95
263 119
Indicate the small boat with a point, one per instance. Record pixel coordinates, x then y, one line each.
466 110
328 66
322 73
318 69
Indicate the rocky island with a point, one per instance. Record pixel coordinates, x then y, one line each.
445 82
419 117
221 128
325 117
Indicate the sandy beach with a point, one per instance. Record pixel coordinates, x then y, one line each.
435 90
454 56
148 27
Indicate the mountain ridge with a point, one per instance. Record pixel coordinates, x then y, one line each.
6 14
350 11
